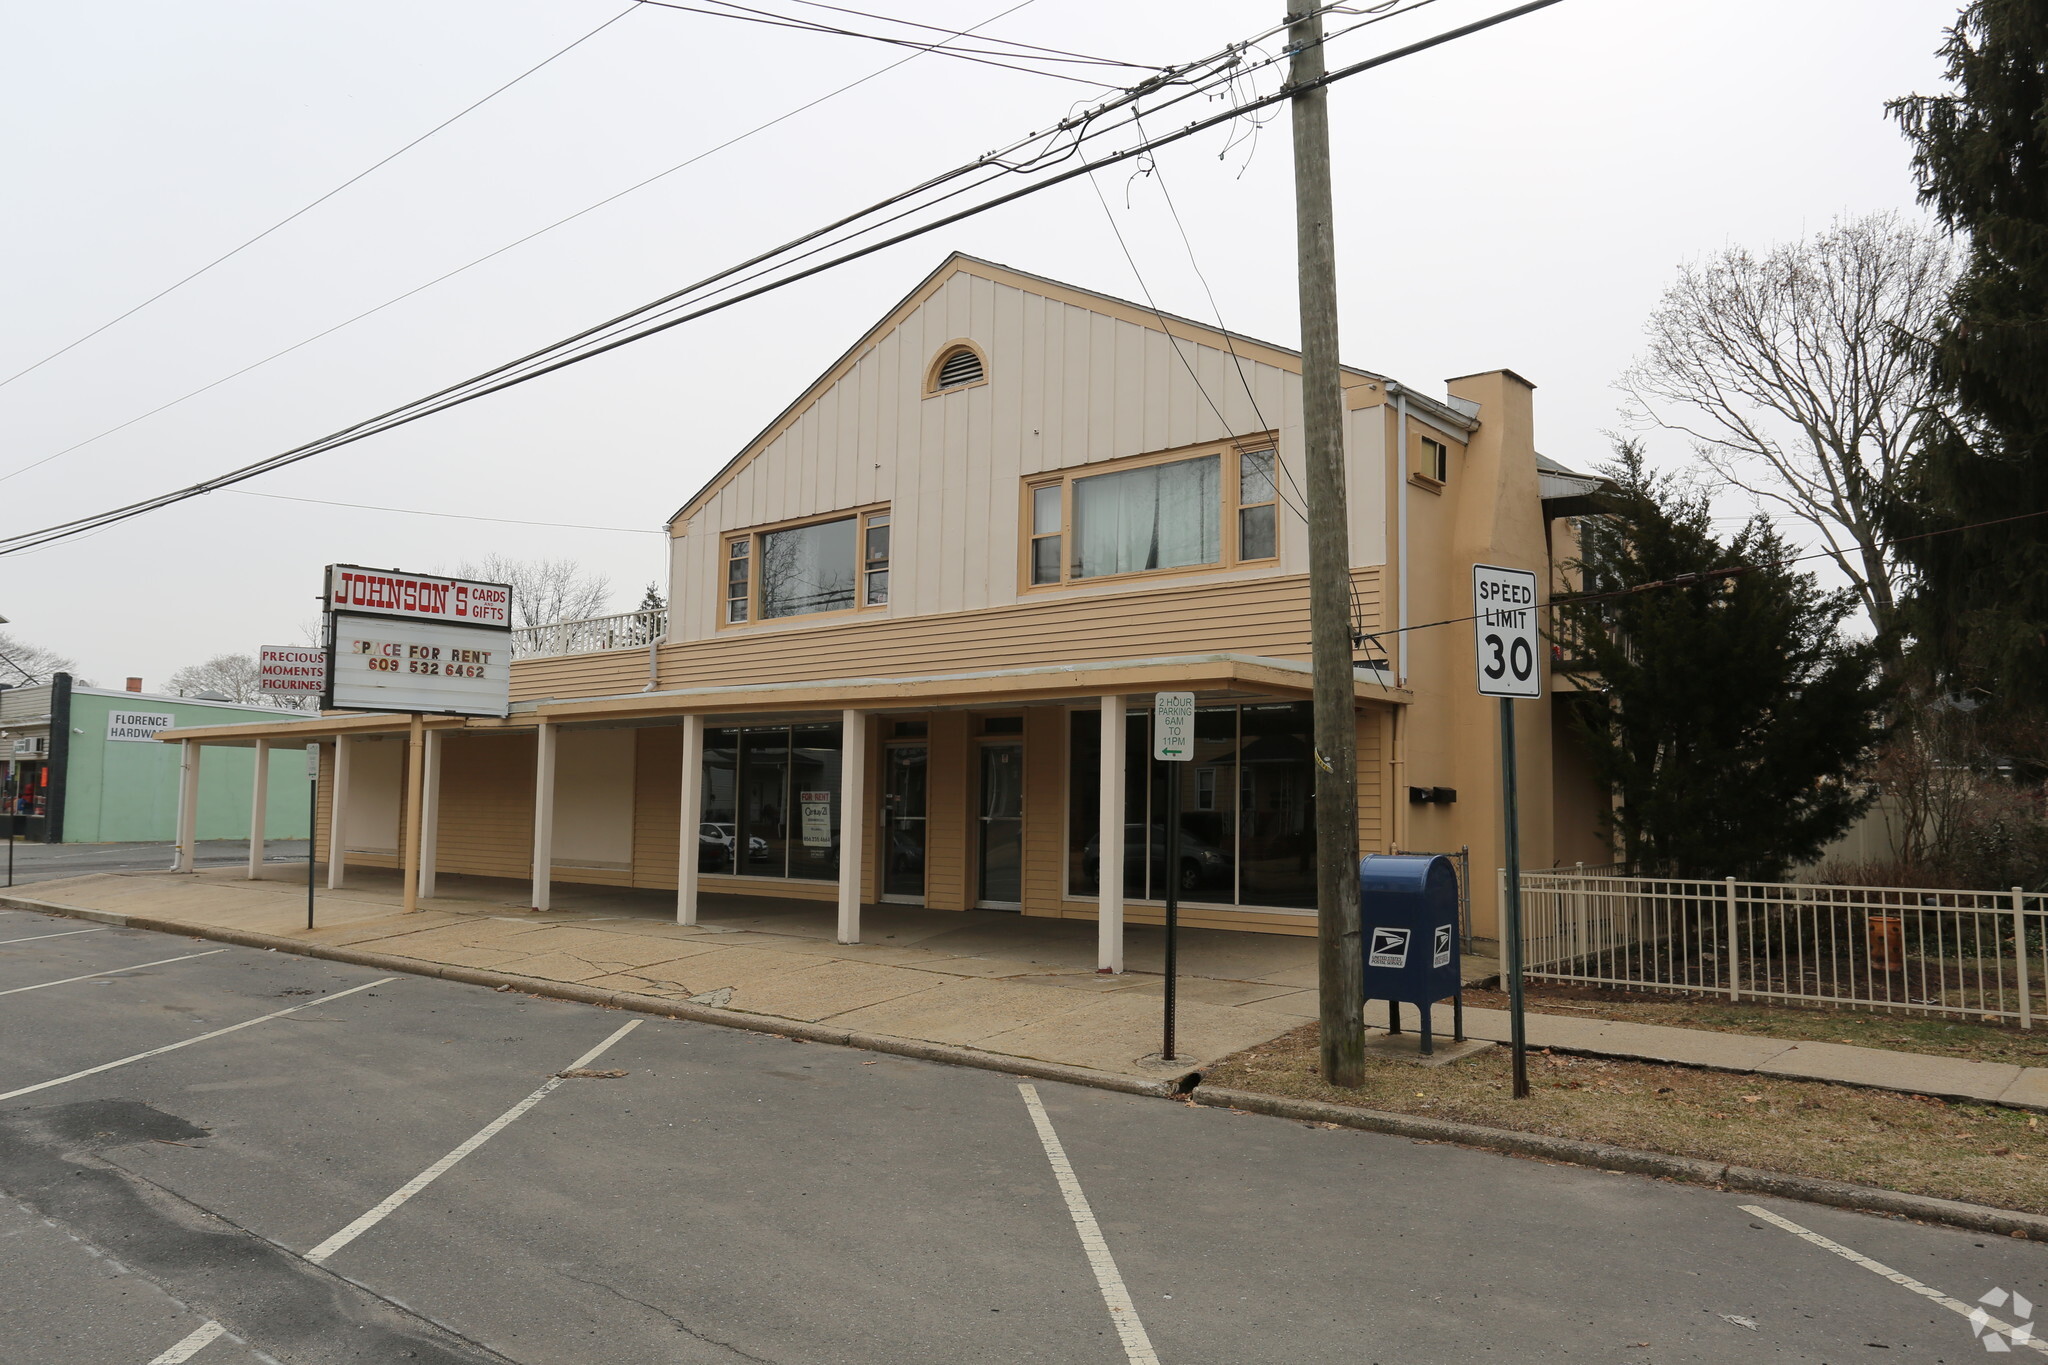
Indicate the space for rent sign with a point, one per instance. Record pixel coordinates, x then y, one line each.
408 642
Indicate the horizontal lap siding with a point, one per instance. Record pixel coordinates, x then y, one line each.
486 824
1372 825
657 807
1265 616
1045 808
947 812
1201 917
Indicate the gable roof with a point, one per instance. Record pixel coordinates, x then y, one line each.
958 263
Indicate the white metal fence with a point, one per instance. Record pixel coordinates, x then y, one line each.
1971 954
630 630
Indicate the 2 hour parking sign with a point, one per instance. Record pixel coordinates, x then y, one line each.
1504 617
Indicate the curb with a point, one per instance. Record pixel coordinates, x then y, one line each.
1568 1151
626 1000
1601 1156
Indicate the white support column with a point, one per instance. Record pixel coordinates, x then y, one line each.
1109 842
337 816
188 807
688 849
543 814
259 801
430 816
853 771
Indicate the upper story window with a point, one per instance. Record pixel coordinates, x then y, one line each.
1432 460
958 365
1152 515
830 565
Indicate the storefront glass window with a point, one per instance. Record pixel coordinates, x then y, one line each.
1246 815
771 802
1276 806
717 835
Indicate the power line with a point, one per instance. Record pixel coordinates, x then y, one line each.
1008 42
549 359
1179 354
490 255
457 516
18 669
773 20
308 208
537 363
994 160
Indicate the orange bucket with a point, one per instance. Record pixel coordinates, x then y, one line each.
1887 943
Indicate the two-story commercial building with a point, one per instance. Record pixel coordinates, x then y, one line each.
915 626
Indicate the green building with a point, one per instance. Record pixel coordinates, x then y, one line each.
83 766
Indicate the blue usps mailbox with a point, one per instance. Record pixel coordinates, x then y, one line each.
1408 903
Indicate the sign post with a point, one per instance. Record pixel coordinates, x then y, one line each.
1504 625
312 822
1173 743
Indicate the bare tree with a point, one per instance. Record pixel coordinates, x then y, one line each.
544 591
1791 372
232 677
22 663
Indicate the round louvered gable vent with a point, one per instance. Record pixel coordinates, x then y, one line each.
961 366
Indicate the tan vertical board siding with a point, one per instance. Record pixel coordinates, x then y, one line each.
657 806
1365 495
1265 616
376 794
948 809
1067 386
594 799
1045 809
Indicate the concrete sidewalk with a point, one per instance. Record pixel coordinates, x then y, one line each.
1000 983
2024 1087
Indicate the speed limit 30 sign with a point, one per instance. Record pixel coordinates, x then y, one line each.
1504 619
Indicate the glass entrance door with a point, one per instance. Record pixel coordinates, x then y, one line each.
1002 827
903 822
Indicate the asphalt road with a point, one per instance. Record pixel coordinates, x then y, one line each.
45 862
738 1197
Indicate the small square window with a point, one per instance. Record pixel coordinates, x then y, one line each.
1436 460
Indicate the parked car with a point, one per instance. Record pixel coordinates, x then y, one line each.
1202 863
715 841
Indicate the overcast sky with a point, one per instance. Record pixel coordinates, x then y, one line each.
1516 199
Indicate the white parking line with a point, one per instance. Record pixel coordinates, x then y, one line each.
1122 1312
173 1047
114 971
209 1332
1973 1311
66 934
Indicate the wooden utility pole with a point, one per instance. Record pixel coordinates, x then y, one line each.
1340 967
